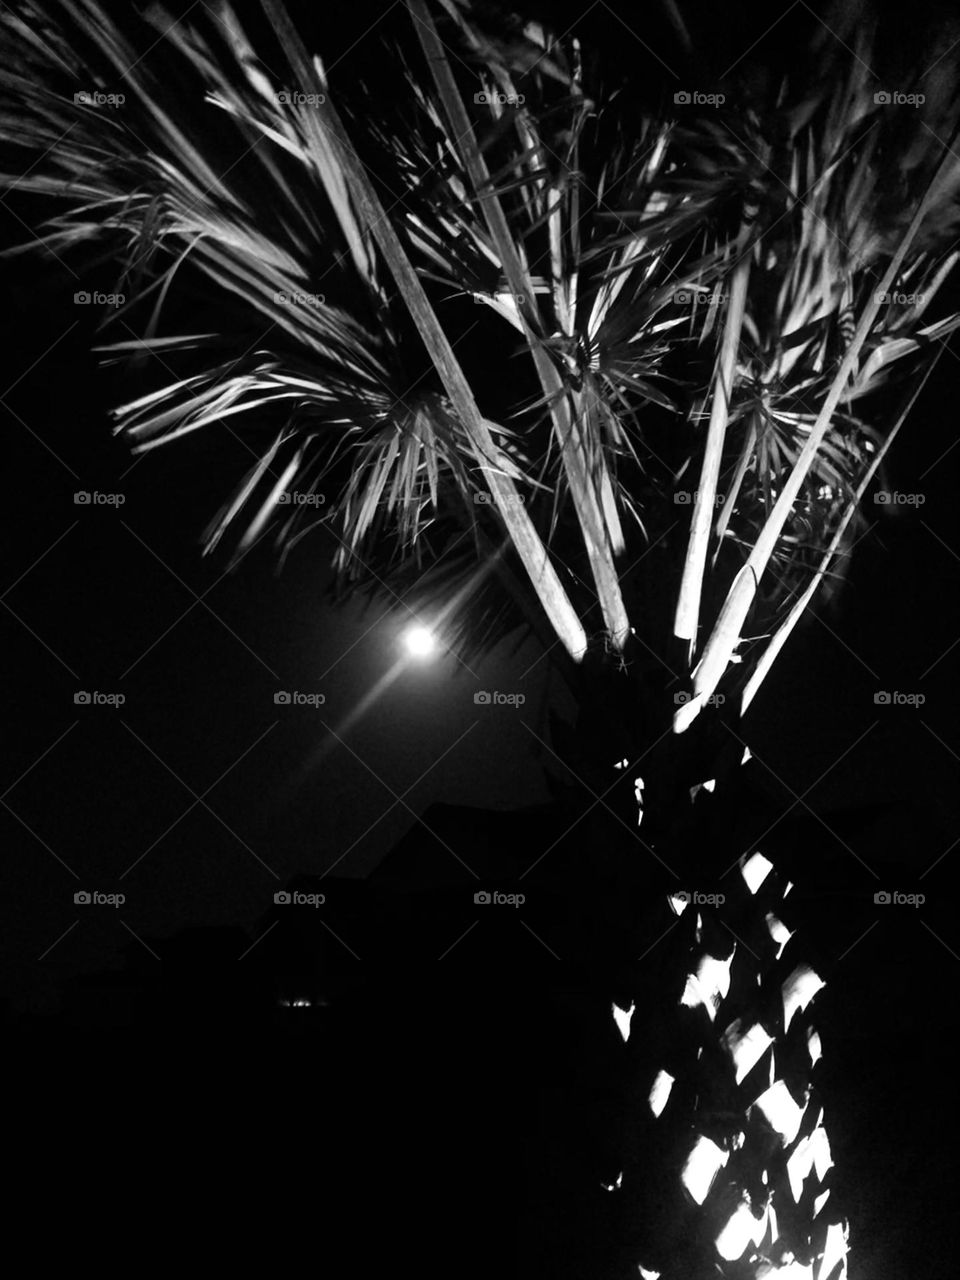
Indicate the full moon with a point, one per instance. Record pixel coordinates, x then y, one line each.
420 641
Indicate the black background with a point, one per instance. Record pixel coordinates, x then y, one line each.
495 1046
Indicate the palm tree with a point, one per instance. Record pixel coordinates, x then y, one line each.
705 313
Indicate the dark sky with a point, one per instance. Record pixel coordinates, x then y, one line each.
104 598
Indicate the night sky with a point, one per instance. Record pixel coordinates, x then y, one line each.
104 598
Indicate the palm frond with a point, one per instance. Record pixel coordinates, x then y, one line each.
718 292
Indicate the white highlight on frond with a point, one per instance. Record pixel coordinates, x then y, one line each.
742 1229
820 1201
798 990
688 711
679 902
622 1018
778 932
506 304
746 1047
638 792
755 870
711 785
815 1047
783 1114
772 1215
702 1166
647 1275
791 1270
613 1186
622 764
708 985
747 755
799 1166
822 1159
834 1250
660 1092
812 1152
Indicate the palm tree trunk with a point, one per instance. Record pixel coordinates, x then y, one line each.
725 1159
